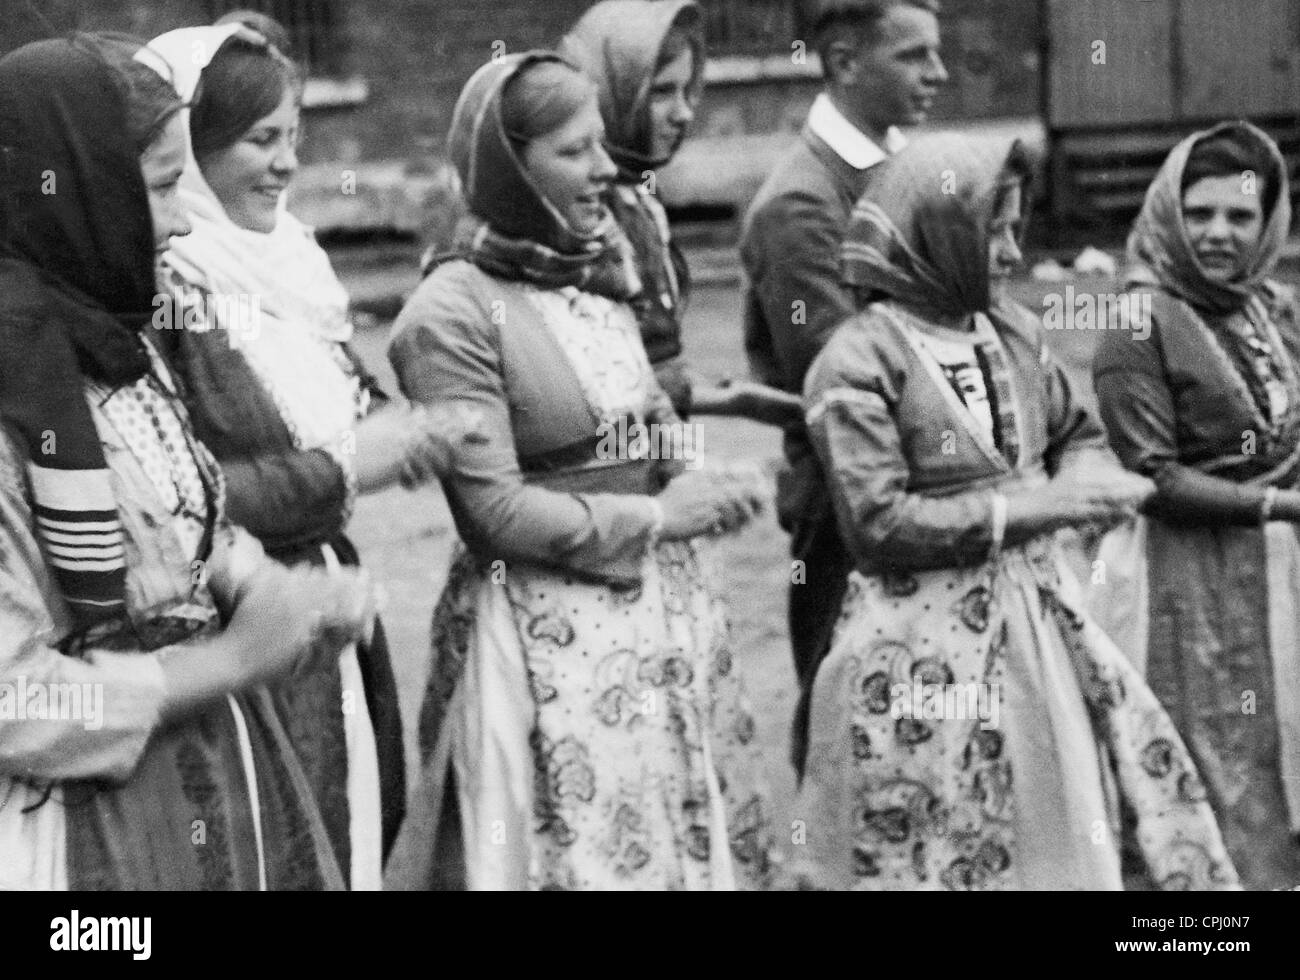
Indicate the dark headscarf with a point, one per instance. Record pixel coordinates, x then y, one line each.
1159 251
76 286
618 43
518 233
922 237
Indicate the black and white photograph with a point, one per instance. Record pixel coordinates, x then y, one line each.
650 445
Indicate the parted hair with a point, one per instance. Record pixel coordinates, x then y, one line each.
853 20
1226 155
542 97
243 83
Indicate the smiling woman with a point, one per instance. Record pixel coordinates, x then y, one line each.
275 393
1208 406
1227 191
554 124
583 723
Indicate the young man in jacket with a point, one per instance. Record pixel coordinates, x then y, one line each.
882 69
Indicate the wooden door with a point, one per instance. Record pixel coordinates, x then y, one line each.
1238 58
1110 62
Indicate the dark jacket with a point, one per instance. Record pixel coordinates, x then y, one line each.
794 300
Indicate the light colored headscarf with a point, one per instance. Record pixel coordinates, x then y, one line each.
302 307
920 235
1160 253
617 43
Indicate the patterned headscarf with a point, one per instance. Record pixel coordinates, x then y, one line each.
1160 252
519 234
921 235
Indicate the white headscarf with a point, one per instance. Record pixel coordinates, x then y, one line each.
301 307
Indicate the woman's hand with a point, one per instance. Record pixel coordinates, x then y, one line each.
1078 500
411 444
236 557
709 503
295 620
284 621
439 431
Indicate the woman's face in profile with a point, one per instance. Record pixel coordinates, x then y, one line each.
1224 219
673 98
1004 234
571 169
250 176
161 164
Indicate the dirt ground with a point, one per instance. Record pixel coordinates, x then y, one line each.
406 538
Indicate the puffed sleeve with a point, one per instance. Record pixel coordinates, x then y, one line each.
851 407
1137 408
445 352
121 694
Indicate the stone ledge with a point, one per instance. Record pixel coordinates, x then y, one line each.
423 200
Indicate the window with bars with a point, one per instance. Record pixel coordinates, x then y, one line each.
752 28
314 25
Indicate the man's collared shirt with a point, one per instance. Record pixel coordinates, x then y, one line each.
852 145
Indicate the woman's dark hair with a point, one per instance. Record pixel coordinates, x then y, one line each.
264 24
243 83
686 34
1231 155
150 98
542 97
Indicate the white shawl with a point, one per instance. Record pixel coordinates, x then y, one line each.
274 293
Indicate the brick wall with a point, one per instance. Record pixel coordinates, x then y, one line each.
416 54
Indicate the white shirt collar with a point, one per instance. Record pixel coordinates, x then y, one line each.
850 143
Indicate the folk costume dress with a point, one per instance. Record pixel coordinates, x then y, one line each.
261 344
1202 396
109 509
584 699
923 408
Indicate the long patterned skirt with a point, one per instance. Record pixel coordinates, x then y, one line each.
1210 615
598 736
970 729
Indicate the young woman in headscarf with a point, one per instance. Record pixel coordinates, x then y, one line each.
647 59
298 425
138 745
970 727
1200 394
580 663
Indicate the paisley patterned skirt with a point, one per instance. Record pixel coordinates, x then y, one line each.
599 736
971 729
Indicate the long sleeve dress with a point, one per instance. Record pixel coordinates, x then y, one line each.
295 495
971 728
583 690
1209 407
93 794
